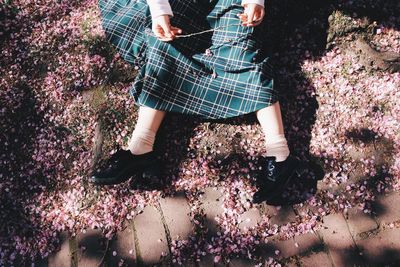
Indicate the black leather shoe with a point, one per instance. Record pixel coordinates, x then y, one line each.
121 166
275 177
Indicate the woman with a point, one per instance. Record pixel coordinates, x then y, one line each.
202 58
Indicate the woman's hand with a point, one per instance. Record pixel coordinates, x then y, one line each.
163 30
253 14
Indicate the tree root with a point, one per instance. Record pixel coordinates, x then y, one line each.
98 143
375 60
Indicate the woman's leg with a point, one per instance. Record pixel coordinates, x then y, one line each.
270 119
143 136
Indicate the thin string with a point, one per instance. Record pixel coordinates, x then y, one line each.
202 32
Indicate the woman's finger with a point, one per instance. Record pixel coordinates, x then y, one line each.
242 16
258 17
166 38
176 30
162 37
158 31
160 34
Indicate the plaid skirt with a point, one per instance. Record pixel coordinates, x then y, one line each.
214 75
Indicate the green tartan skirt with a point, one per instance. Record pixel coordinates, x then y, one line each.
214 75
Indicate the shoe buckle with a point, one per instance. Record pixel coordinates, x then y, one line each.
270 175
271 167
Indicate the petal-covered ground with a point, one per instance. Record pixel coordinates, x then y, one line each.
60 80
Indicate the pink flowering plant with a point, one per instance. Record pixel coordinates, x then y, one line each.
60 80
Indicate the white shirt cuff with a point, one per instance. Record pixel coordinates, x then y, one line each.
159 7
259 2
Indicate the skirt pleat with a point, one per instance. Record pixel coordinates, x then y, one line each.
214 75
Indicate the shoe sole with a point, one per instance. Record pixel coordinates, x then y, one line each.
123 176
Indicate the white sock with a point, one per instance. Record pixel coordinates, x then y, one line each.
277 146
141 141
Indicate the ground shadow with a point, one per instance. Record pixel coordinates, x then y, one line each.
20 130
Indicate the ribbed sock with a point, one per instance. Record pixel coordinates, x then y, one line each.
142 141
277 146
